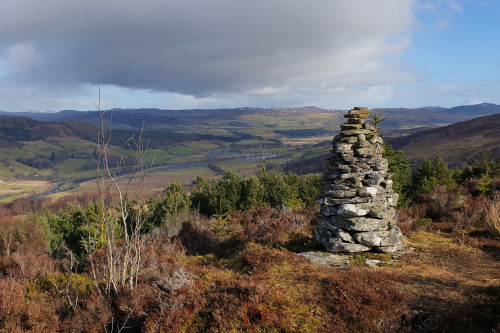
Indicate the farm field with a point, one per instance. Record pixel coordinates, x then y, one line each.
13 189
153 182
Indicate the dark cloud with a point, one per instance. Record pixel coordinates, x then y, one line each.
200 47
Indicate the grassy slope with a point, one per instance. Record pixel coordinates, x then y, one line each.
455 143
456 282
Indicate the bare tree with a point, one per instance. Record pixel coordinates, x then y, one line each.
117 181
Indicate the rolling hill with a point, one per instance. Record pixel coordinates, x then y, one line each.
456 143
247 120
16 128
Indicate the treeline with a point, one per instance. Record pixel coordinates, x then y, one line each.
436 173
41 163
270 189
72 224
455 200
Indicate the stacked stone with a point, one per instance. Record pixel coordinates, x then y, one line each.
357 201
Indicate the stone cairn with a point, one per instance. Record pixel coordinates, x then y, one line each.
357 201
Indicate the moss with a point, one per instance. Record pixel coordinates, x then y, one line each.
357 260
237 263
383 257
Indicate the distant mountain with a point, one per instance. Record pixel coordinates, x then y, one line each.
399 119
134 118
477 110
456 143
411 120
63 145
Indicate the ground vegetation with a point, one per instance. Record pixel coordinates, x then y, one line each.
223 256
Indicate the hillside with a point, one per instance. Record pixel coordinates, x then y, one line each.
248 120
16 128
455 143
66 151
237 254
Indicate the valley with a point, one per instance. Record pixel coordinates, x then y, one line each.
59 150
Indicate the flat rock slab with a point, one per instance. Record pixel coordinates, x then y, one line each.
326 259
336 260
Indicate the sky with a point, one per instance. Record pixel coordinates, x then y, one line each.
183 54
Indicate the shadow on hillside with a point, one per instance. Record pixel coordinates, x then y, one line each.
476 309
199 240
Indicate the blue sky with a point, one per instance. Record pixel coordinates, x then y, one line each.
456 52
177 54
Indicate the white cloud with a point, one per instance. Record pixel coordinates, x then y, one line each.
445 12
475 101
454 5
434 5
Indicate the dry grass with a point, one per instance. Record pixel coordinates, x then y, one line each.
493 217
448 147
154 182
250 282
20 186
457 285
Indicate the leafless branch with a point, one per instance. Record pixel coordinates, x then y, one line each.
122 262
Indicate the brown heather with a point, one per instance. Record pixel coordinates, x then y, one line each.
244 276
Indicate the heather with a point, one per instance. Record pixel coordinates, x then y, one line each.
222 256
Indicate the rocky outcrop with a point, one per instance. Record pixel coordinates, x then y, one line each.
357 201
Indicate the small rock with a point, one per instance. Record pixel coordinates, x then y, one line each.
331 260
351 210
355 132
349 139
367 191
352 126
338 232
371 263
380 239
355 121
